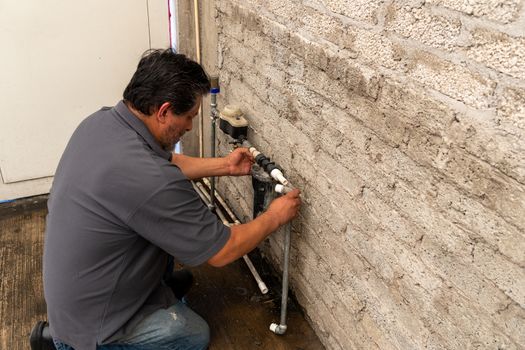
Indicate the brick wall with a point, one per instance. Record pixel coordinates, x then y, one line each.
403 124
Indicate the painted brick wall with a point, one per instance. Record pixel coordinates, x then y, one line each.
403 124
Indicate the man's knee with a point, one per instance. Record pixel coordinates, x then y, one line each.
189 328
201 340
197 332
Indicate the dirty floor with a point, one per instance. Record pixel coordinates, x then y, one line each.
228 298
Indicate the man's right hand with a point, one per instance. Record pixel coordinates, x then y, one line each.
285 208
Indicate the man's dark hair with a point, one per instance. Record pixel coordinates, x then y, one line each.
165 76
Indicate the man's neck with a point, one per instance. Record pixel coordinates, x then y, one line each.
148 120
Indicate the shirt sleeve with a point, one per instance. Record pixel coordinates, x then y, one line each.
176 220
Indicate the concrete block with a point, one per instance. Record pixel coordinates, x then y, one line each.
377 49
295 68
510 110
491 188
457 82
509 277
503 11
323 27
499 51
359 10
492 140
474 132
283 10
420 25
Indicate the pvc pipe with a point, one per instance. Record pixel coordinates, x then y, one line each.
260 283
206 198
279 176
279 188
281 328
276 174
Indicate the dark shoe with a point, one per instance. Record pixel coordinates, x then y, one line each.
40 338
180 281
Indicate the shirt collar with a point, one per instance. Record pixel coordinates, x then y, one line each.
136 124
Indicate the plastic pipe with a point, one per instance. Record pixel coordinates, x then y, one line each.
279 188
281 327
276 174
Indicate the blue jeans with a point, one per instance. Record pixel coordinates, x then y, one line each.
175 328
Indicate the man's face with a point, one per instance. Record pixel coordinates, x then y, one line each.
177 126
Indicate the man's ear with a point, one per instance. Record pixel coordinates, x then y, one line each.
162 113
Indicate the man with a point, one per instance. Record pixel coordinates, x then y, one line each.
122 202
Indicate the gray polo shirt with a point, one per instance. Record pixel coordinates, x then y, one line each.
117 208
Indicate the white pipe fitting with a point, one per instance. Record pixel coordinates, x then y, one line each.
283 189
278 328
278 176
260 283
254 152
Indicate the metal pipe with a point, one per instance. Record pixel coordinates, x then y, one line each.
281 328
198 53
202 191
223 203
214 113
219 212
260 282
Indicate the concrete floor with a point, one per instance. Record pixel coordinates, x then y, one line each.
228 298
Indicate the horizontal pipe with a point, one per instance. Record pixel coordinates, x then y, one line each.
276 174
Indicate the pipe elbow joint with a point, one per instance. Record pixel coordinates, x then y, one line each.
278 328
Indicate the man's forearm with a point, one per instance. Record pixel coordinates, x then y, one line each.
244 238
196 168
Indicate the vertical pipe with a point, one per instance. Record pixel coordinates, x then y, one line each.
198 52
281 327
286 263
212 144
215 89
202 191
174 30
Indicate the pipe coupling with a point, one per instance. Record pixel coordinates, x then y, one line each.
278 328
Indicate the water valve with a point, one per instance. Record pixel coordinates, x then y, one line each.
233 123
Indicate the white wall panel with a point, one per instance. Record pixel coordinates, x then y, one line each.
59 62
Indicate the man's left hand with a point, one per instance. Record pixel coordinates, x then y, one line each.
239 162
